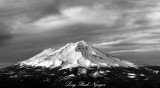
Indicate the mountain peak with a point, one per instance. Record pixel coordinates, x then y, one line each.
82 42
73 55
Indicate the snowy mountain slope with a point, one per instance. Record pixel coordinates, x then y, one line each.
74 55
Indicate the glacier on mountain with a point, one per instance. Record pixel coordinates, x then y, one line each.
74 55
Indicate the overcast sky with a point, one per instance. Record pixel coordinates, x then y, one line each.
128 29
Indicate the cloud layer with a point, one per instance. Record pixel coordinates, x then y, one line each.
116 26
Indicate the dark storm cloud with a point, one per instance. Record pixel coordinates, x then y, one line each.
31 9
5 35
3 39
13 12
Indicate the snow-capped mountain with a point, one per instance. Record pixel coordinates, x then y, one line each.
78 65
74 55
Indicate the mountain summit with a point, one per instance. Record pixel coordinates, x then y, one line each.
74 55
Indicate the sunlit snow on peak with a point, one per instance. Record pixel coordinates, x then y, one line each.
73 55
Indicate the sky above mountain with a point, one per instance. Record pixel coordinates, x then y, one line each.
128 29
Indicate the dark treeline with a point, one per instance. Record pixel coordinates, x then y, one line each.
116 77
